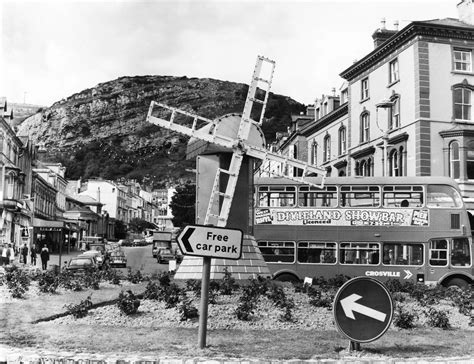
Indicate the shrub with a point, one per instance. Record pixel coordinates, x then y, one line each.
164 278
318 299
152 291
91 278
80 310
437 318
462 299
404 319
228 285
171 295
194 286
128 303
111 275
48 282
16 280
245 310
69 281
187 311
134 277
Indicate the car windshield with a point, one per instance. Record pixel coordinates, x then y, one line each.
165 251
80 262
117 254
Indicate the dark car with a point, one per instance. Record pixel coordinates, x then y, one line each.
165 255
118 259
81 264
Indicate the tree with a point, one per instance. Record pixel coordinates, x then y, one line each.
183 205
138 225
120 230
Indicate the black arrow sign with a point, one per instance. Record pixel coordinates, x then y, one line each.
185 240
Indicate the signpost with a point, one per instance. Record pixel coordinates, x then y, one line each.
363 310
209 242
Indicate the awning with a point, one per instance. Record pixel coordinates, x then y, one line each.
48 225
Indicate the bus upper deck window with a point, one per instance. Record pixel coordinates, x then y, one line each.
443 196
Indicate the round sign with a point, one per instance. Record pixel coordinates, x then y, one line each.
363 309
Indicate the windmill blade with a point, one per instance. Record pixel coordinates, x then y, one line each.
233 172
202 128
264 154
257 83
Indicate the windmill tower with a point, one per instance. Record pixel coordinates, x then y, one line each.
226 150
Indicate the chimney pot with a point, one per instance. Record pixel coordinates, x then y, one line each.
382 22
395 24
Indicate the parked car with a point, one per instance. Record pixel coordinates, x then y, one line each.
165 255
81 263
138 242
125 242
101 259
118 259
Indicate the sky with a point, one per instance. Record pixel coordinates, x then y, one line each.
51 49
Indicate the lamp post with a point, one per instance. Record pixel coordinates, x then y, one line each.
384 104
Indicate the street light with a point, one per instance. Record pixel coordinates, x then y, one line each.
384 104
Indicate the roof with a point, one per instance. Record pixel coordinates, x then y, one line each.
447 28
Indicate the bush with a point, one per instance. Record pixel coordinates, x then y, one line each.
128 303
171 295
228 285
16 280
111 275
91 278
187 311
404 319
437 318
194 286
152 291
462 299
67 280
80 310
164 278
134 277
48 282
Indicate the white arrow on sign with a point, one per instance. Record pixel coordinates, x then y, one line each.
408 274
350 306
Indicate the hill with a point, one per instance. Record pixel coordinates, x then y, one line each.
102 131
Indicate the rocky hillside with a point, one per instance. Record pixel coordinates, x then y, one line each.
102 131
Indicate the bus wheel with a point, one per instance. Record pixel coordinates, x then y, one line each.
457 282
287 277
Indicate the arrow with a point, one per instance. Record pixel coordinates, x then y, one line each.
185 239
349 305
409 274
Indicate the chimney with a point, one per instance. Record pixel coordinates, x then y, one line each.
382 34
466 11
395 25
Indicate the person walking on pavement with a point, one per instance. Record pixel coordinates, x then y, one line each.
33 255
44 257
24 253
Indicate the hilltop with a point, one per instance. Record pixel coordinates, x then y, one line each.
102 131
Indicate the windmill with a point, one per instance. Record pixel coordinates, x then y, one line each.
239 136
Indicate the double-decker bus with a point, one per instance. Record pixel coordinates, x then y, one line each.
410 228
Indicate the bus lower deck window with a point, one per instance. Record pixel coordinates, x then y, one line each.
402 254
359 253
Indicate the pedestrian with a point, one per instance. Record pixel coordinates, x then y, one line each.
4 259
10 254
33 255
24 253
44 257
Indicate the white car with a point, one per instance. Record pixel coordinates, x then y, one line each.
96 254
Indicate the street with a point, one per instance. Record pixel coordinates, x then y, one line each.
138 258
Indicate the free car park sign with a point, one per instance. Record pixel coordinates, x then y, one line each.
363 309
211 241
